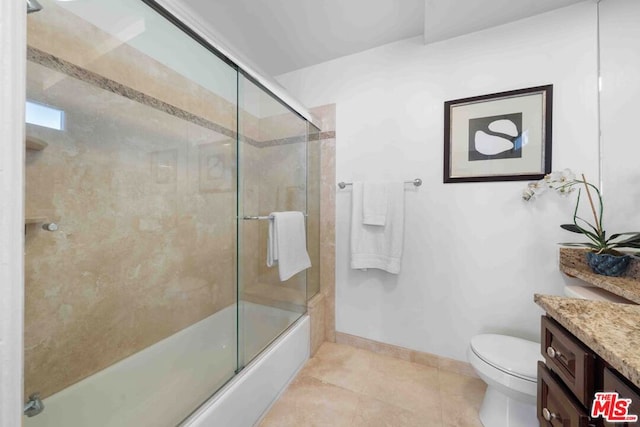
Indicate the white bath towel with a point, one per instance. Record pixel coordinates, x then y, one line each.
287 244
375 246
374 203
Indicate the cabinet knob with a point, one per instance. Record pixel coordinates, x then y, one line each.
547 414
552 352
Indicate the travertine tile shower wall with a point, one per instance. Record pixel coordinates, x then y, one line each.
314 174
321 307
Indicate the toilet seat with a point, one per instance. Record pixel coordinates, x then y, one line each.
509 367
511 355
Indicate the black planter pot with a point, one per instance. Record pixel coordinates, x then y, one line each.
608 265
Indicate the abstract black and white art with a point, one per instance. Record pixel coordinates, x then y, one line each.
499 137
495 137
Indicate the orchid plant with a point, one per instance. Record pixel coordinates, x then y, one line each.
564 183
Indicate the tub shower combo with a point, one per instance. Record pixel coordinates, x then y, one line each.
152 164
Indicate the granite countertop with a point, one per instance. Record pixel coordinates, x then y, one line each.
612 330
572 263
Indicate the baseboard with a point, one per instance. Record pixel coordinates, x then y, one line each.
428 359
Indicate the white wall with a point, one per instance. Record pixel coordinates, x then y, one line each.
474 253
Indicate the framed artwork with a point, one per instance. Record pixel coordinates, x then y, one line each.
216 167
504 136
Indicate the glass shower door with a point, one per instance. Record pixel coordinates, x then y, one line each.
272 178
130 236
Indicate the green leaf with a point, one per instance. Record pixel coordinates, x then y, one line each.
586 222
615 236
572 227
593 237
633 239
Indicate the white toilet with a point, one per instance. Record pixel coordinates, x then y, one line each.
509 367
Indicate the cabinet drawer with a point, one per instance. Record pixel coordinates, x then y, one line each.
556 406
612 382
569 359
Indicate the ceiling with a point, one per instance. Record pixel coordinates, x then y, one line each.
443 20
278 36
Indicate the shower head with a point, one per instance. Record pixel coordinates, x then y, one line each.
33 6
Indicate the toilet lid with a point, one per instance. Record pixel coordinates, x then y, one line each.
512 355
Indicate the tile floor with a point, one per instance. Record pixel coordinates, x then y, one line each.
346 386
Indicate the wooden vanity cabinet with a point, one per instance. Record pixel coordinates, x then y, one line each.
567 380
569 359
612 381
556 407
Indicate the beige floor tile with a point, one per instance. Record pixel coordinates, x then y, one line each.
340 365
470 388
457 412
310 402
281 414
376 413
461 399
346 386
405 384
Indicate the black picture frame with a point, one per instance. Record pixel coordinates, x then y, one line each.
504 136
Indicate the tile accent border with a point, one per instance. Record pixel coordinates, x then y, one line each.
428 359
323 135
60 65
295 139
74 71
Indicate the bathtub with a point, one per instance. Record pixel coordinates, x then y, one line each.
162 384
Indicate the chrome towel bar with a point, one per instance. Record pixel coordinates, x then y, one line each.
258 217
417 182
265 217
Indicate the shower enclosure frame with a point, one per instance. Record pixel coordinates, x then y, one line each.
13 20
12 85
182 17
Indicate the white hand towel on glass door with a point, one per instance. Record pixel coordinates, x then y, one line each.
374 246
287 244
